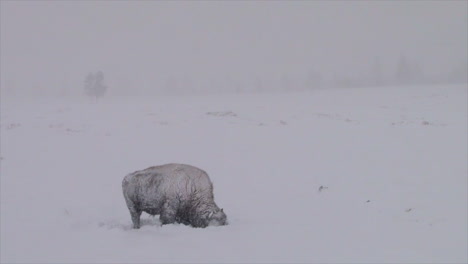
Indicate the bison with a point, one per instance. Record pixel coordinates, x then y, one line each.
179 193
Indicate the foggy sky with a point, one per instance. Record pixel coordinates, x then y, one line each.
139 45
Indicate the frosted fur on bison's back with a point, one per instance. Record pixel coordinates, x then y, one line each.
172 190
170 180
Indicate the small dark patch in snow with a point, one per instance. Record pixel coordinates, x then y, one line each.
13 126
60 125
70 130
321 188
66 212
261 124
368 201
415 122
283 122
335 117
222 113
408 210
350 120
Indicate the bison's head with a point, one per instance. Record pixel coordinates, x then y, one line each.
217 218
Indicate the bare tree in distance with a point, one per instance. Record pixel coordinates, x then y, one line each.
377 78
94 85
314 80
404 72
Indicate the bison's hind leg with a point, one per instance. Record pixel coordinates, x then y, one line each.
135 213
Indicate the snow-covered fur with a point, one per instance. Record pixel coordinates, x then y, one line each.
177 192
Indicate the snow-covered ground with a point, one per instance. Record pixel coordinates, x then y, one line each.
358 175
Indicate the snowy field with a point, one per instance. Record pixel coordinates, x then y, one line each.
351 176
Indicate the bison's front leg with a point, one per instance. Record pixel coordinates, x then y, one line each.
135 218
168 212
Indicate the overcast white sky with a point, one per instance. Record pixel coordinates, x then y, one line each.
50 44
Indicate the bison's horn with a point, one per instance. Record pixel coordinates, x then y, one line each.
211 213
